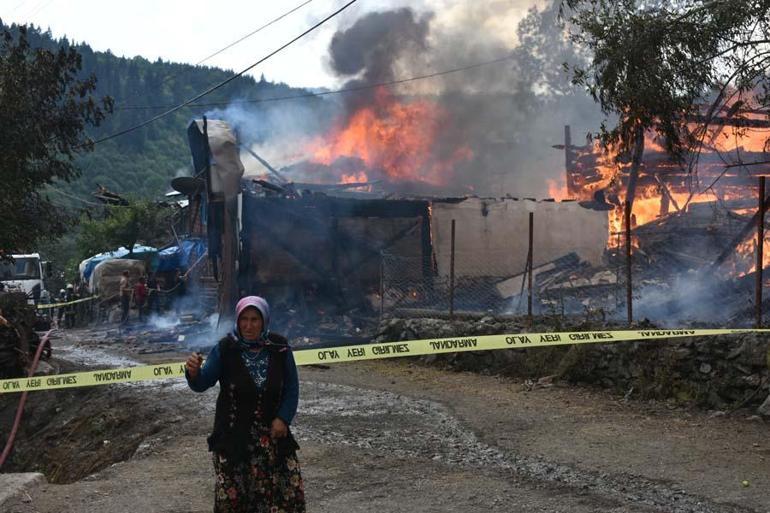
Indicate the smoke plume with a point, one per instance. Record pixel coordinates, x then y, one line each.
492 128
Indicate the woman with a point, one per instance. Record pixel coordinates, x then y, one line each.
255 458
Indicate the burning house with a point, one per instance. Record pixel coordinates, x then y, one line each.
319 252
692 223
358 217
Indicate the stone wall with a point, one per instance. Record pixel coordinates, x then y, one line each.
720 373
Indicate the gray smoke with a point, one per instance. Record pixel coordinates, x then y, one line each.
373 43
509 113
370 49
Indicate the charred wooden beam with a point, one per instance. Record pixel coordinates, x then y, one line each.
265 163
667 195
741 236
108 197
730 121
568 159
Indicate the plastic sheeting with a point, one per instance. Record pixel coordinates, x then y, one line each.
140 253
105 278
180 257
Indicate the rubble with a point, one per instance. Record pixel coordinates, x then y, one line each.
764 408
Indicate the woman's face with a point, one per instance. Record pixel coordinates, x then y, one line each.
250 323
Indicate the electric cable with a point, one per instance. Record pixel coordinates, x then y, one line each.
224 82
243 38
72 196
336 91
279 18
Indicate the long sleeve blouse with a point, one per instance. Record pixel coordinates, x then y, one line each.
209 374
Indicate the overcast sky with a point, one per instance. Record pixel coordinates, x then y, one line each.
189 30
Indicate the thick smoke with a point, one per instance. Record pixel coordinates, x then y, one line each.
509 114
371 48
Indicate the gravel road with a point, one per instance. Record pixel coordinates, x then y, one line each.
393 436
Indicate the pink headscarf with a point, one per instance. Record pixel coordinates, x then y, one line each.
262 307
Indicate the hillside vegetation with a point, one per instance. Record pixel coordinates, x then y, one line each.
142 162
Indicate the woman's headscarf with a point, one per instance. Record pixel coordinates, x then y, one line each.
263 308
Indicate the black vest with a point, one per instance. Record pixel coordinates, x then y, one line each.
239 405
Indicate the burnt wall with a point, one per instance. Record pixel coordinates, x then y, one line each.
326 249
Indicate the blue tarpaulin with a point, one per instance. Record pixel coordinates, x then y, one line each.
140 253
180 257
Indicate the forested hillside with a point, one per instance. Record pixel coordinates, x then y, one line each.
142 162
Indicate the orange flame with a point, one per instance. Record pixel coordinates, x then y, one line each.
359 177
746 261
557 189
608 174
395 137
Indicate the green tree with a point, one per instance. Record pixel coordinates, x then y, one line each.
655 64
142 221
44 111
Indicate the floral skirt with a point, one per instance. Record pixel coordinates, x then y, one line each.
261 481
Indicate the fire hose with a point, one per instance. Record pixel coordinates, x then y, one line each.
23 399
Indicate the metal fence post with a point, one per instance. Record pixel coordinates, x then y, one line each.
382 284
452 274
530 265
760 247
629 288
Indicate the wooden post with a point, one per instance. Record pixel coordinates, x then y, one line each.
664 203
629 288
760 247
530 264
568 164
452 274
382 284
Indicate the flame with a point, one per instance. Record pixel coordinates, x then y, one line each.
746 256
557 189
360 177
598 168
393 137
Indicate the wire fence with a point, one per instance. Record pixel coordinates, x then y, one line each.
565 286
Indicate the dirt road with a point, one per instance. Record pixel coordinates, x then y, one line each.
393 436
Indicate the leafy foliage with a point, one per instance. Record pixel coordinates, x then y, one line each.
654 63
142 221
144 161
45 108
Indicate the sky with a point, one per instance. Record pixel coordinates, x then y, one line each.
188 31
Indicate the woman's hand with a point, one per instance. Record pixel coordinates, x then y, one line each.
193 364
278 429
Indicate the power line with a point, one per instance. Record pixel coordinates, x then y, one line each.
17 6
253 32
224 82
279 18
326 93
40 8
59 191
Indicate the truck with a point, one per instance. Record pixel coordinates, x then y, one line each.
25 274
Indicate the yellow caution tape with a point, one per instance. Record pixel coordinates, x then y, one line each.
57 305
370 352
86 379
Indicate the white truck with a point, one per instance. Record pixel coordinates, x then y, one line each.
25 274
